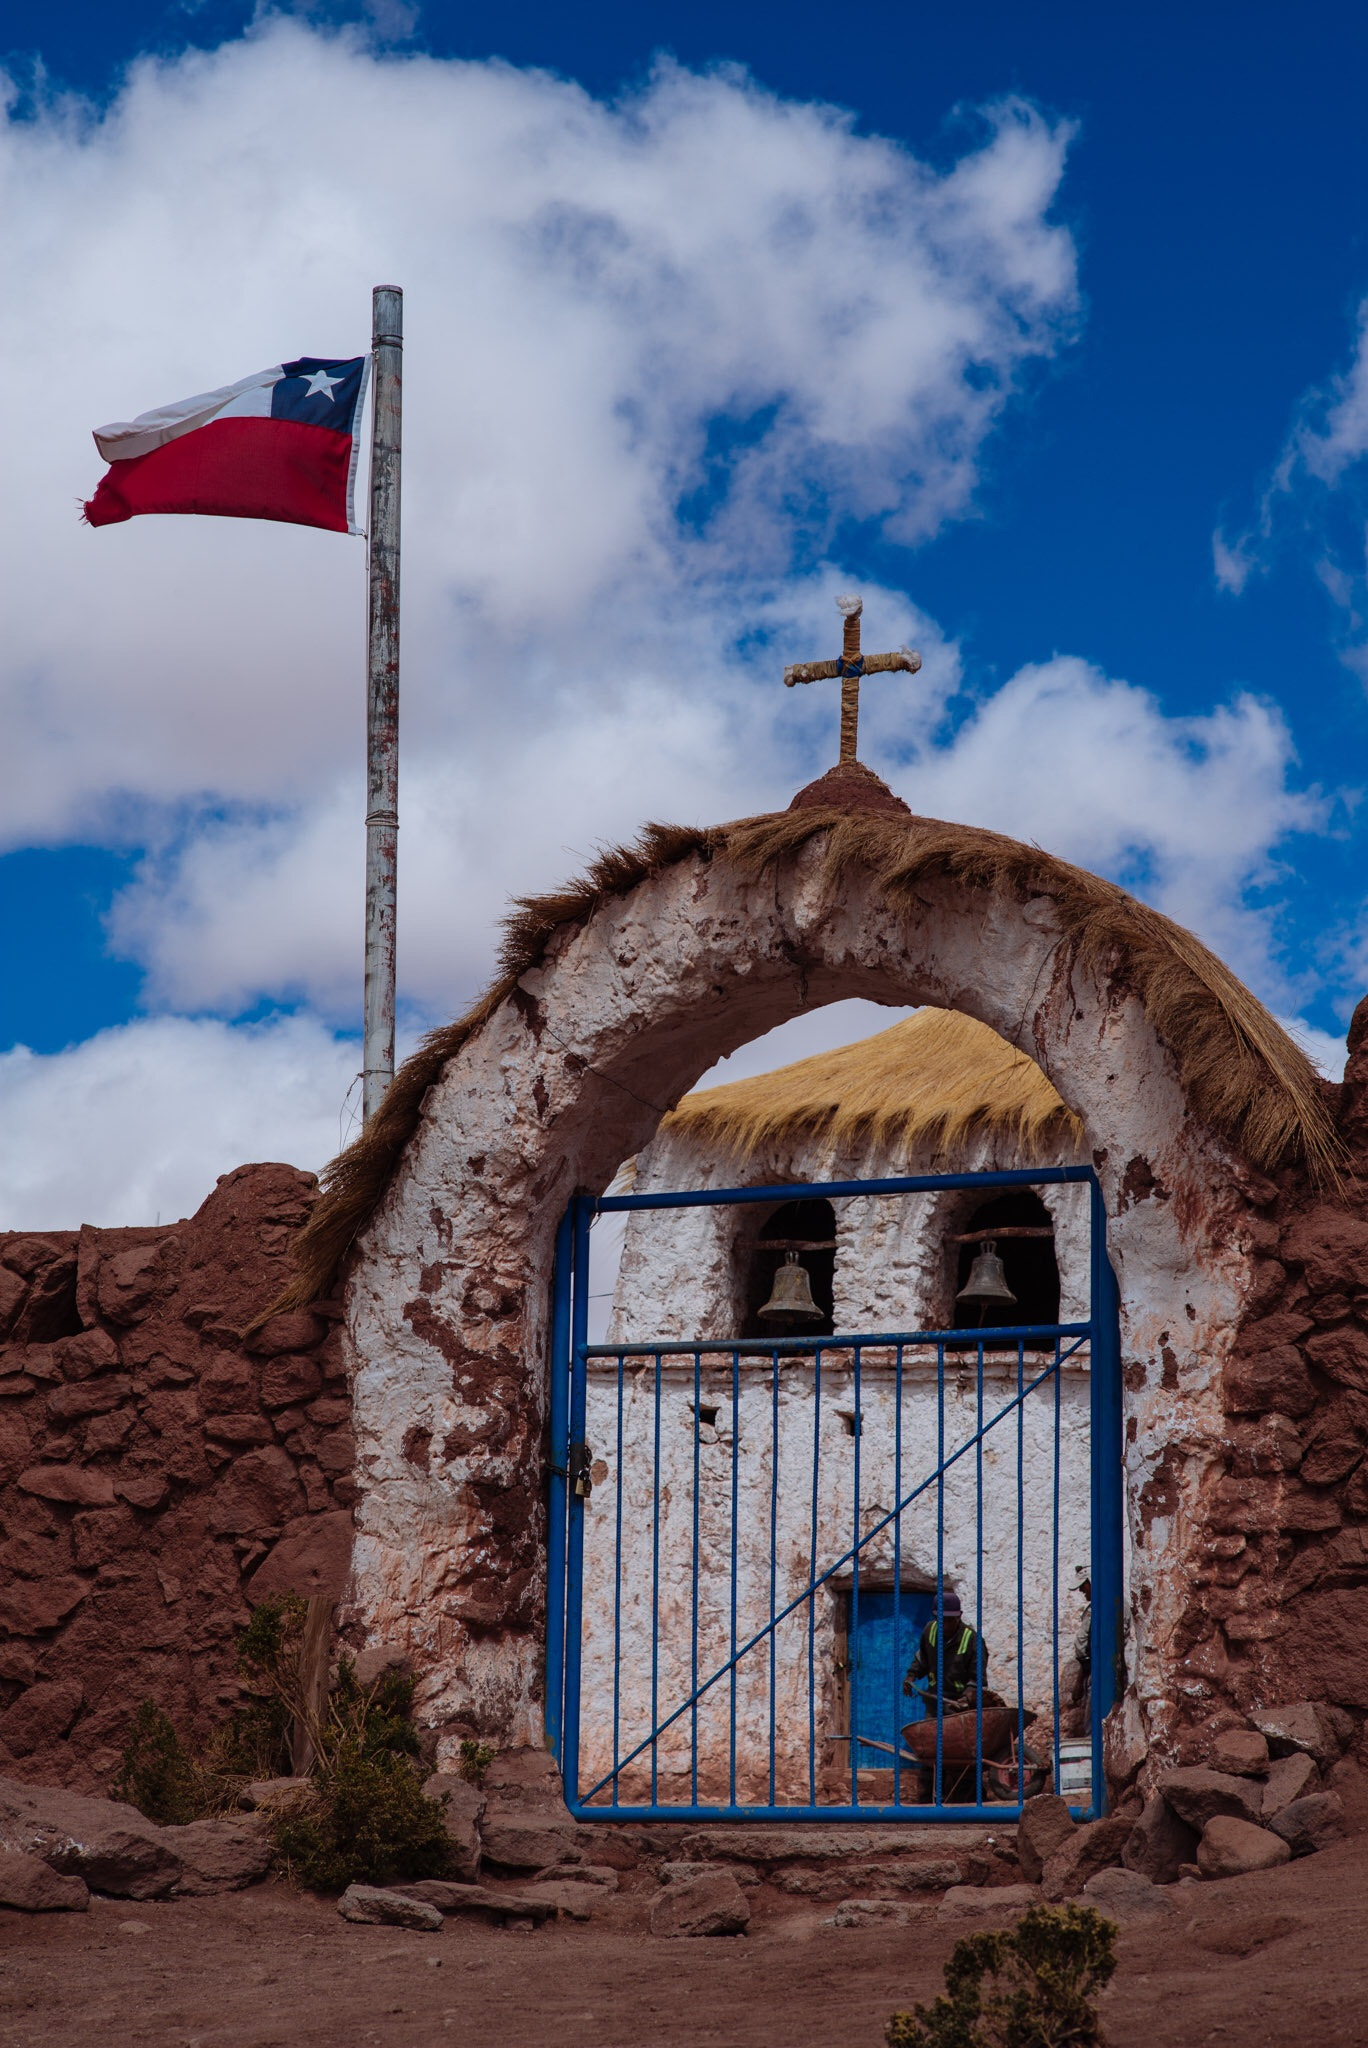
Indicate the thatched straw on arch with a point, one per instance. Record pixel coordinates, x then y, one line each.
927 1087
1240 1072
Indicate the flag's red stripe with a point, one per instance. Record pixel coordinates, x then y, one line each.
239 469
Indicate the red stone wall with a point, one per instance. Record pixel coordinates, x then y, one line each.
1279 1607
157 1471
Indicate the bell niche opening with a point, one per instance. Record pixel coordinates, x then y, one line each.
801 1232
1016 1230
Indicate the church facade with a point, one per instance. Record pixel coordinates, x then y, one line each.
807 1454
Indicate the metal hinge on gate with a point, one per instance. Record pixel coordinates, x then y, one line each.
578 1458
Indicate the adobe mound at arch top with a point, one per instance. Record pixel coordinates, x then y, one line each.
1240 1072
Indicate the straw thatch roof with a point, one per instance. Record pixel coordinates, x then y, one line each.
928 1085
1240 1071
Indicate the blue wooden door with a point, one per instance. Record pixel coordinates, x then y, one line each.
879 1662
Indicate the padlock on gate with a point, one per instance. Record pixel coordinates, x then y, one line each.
578 1463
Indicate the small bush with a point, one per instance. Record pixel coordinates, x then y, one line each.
375 1720
155 1774
476 1757
253 1743
363 1818
367 1823
1043 1979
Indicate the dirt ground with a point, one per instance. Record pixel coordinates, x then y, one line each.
1276 1958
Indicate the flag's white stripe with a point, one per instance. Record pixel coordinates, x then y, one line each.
357 417
249 397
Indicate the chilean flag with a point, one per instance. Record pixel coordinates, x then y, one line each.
280 445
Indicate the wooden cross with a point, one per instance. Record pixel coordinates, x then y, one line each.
850 667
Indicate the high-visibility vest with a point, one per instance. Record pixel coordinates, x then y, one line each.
966 1638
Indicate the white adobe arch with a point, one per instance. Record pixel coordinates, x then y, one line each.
447 1292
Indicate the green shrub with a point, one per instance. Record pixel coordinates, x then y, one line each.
374 1720
476 1757
1043 1979
253 1743
155 1774
366 1823
364 1817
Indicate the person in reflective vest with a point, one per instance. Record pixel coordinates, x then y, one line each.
961 1662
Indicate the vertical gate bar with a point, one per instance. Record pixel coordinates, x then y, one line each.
693 1625
773 1555
1054 1619
855 1590
558 1425
655 1595
938 1780
978 1578
812 1575
617 1584
731 1651
897 1577
1021 1546
581 1211
1107 1508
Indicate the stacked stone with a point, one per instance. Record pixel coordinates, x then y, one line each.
1279 1604
158 1470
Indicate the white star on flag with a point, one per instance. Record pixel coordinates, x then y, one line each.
319 380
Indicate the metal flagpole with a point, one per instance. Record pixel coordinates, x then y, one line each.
382 706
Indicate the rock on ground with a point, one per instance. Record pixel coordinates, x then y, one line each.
711 1904
474 1898
1089 1849
876 1913
103 1841
29 1886
1126 1895
1160 1843
1198 1795
527 1841
369 1903
578 1900
1234 1848
598 1874
219 1855
116 1851
463 1806
987 1898
1045 1826
903 1877
1289 1778
1311 1823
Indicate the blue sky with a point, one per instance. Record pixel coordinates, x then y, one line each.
1163 322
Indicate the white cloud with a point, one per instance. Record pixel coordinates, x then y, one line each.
1330 444
1186 811
591 290
1315 490
659 352
274 902
141 1120
1232 562
1322 1048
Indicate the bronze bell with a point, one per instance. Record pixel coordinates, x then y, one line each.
987 1282
791 1298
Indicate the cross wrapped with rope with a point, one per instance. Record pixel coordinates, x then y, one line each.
850 667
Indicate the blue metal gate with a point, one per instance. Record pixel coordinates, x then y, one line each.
711 1538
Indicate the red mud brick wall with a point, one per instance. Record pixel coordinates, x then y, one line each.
157 1471
1279 1607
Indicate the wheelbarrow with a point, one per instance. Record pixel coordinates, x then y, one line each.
965 1738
